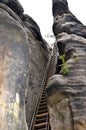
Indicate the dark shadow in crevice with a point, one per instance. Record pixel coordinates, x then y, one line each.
58 66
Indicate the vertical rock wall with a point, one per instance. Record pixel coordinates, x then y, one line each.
66 92
23 59
39 58
14 70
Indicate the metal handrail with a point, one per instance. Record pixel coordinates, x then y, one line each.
42 87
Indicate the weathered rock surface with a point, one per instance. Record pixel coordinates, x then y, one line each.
66 94
35 30
14 72
14 5
38 61
23 58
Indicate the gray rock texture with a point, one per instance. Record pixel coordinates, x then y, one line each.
66 94
23 59
14 5
35 30
14 72
38 61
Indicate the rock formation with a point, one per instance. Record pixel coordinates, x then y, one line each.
23 58
23 55
66 91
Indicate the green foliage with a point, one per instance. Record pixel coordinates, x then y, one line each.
65 69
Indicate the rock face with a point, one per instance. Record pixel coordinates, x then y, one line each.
23 59
66 94
38 61
14 5
14 71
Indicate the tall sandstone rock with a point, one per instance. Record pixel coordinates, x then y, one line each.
66 92
23 59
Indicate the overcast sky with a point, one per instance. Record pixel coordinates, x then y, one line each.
41 12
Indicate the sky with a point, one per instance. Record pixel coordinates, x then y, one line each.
41 12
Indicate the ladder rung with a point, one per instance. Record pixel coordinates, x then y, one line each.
42 111
41 129
45 84
41 125
42 104
43 101
42 107
43 97
42 115
41 120
43 93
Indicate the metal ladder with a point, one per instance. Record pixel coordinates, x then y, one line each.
41 115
